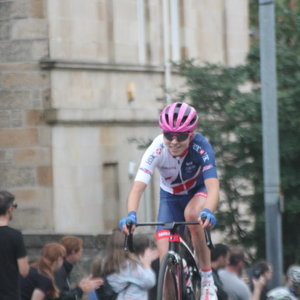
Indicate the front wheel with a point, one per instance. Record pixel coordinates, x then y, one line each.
170 278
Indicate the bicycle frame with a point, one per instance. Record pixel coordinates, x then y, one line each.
176 244
172 227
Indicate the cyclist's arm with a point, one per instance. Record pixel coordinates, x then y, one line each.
212 200
135 195
213 189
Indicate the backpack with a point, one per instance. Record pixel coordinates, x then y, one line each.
106 292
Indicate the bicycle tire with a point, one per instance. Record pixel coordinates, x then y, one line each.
170 278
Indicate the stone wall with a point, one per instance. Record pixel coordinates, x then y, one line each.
25 138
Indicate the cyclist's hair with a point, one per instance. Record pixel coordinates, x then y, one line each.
51 252
236 256
219 250
6 200
71 243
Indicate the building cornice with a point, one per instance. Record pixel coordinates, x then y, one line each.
109 117
52 63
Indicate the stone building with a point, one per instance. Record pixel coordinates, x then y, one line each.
78 80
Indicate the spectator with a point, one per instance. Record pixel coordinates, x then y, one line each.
233 285
146 249
13 257
259 276
73 246
40 281
219 260
292 289
129 274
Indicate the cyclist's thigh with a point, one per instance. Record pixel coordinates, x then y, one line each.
195 205
171 207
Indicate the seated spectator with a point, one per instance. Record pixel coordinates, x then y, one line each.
73 246
292 289
233 285
129 274
40 281
219 259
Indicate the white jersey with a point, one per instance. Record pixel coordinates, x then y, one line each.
179 175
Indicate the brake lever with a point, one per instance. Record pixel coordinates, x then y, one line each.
208 240
128 241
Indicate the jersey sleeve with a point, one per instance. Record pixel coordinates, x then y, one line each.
209 168
149 161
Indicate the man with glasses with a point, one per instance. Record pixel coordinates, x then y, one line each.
189 187
13 257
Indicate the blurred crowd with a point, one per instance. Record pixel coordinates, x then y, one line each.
119 274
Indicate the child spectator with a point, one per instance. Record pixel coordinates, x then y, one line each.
129 274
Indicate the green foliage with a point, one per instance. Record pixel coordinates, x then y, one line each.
230 116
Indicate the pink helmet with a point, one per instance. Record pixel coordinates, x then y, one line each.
178 117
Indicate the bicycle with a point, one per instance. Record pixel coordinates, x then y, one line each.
179 276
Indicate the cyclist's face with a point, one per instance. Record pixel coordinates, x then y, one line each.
175 147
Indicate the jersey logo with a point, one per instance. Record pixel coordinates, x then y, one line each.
196 147
205 157
146 171
207 167
150 159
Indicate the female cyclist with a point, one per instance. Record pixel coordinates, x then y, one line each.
189 187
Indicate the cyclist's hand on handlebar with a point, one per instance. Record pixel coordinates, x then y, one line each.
207 218
131 218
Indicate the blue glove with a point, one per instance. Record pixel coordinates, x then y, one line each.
206 213
131 217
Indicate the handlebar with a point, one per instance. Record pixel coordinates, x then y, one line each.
128 243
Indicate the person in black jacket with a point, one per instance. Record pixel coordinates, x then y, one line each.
73 246
219 259
13 257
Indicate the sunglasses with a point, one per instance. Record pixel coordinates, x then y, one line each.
15 205
180 136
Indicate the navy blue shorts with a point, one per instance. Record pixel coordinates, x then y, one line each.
171 207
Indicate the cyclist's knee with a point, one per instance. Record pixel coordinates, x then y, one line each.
191 214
